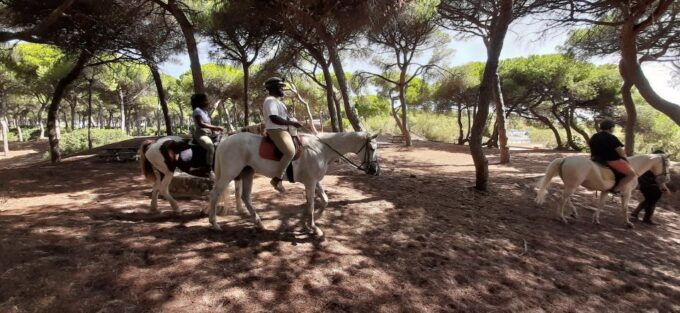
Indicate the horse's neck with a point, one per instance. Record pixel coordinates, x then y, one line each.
342 143
641 163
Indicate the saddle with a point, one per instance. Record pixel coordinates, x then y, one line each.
617 176
269 151
191 157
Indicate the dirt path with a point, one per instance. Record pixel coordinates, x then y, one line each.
78 237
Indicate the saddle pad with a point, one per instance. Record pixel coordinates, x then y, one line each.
608 172
269 151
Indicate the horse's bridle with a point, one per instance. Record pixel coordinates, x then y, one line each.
664 171
367 156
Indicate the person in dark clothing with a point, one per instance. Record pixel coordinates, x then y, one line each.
606 149
652 191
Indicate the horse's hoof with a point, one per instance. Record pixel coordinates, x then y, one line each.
630 225
216 227
317 232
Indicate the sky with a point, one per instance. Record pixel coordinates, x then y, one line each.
523 39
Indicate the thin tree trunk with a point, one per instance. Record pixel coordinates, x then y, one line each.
342 83
63 116
330 95
246 108
499 29
18 126
100 117
40 120
500 123
469 124
121 103
545 120
461 140
161 98
307 109
396 116
62 85
635 75
5 135
493 138
72 106
577 128
338 112
89 113
406 132
631 112
567 128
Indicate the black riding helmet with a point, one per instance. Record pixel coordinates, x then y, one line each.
607 125
274 82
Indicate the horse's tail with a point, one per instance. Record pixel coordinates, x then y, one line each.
555 168
147 168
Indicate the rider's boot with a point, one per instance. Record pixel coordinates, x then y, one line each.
277 183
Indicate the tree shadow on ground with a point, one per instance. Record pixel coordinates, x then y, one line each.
405 241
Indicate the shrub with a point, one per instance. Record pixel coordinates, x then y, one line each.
76 141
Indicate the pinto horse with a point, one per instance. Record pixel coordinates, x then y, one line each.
159 159
578 171
238 157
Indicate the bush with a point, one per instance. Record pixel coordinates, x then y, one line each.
76 141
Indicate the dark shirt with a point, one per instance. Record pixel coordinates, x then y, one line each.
603 147
647 180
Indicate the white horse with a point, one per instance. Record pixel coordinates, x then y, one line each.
159 159
238 157
578 171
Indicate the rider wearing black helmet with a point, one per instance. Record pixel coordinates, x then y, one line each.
608 150
277 122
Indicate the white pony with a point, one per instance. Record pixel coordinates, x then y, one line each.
238 157
578 171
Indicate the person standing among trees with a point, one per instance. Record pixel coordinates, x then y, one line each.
608 150
652 192
203 127
277 121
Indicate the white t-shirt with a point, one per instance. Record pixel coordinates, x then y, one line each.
272 106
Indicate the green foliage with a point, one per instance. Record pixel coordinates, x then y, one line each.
372 105
76 141
431 126
656 131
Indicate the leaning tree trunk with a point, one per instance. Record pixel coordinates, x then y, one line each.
330 95
338 112
545 120
567 128
192 47
500 123
493 139
161 97
578 129
500 25
396 116
62 85
634 74
631 111
342 83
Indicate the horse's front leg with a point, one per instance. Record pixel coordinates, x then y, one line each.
624 208
165 191
600 206
321 193
310 190
155 190
246 190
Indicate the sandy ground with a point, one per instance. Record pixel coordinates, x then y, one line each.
78 237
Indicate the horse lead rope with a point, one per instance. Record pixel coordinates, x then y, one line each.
359 167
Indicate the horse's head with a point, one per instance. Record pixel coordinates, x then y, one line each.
369 155
661 168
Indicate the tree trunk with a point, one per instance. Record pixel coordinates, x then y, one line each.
121 103
461 140
493 138
181 118
338 112
631 112
308 111
246 108
5 135
342 83
62 85
192 48
396 116
161 98
21 135
405 131
550 125
500 123
495 45
577 128
330 95
635 75
40 120
469 124
100 117
63 116
89 113
72 106
564 121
